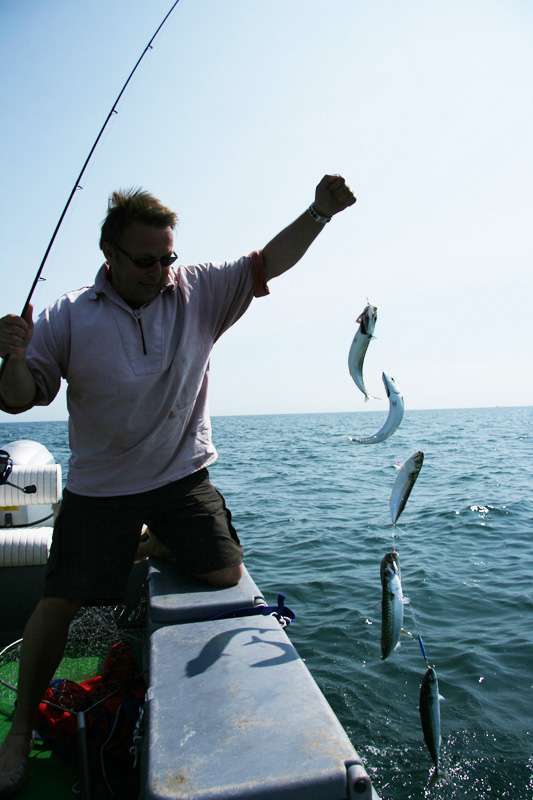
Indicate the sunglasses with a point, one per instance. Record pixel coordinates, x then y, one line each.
147 262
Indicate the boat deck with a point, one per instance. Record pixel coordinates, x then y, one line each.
49 778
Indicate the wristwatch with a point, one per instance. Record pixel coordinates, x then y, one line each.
317 216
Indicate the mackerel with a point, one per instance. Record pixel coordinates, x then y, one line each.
403 485
363 336
429 707
395 416
392 602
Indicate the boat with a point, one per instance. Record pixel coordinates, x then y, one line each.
230 712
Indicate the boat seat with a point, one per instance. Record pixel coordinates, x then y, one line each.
175 599
24 547
23 555
233 712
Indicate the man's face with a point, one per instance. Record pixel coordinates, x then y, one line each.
138 285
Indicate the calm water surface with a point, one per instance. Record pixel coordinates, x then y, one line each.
312 512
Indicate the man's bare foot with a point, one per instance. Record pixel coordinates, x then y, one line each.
14 753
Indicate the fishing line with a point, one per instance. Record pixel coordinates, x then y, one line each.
419 637
77 184
393 534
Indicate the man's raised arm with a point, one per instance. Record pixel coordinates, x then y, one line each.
286 249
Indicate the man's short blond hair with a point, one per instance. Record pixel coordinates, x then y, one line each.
134 205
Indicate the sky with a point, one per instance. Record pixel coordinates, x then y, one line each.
232 119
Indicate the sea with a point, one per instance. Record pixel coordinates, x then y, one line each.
312 511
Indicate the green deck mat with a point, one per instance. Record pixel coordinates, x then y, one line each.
48 777
91 634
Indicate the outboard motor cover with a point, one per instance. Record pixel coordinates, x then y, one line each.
30 485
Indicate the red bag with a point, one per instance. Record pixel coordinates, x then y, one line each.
112 703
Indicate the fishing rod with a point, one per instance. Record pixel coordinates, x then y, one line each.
84 167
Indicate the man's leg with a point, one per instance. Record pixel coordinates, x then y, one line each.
222 578
193 523
45 636
150 546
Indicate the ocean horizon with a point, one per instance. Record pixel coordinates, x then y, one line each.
6 419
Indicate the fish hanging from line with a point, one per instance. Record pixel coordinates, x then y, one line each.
403 485
392 603
363 336
396 412
429 707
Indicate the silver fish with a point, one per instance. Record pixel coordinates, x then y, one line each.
403 485
396 411
429 707
392 602
363 336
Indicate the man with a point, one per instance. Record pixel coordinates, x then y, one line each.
134 349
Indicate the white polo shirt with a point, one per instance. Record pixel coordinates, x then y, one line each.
138 378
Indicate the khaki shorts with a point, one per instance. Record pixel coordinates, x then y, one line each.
95 538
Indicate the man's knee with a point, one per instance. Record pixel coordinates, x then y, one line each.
223 578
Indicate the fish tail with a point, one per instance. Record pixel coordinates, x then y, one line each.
438 776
